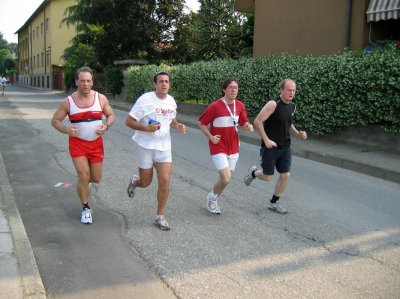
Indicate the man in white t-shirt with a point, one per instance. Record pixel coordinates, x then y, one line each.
151 117
3 81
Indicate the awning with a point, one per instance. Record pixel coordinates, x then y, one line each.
383 10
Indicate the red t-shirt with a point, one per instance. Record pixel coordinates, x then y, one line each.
221 123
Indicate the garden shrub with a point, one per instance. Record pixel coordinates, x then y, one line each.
115 80
332 91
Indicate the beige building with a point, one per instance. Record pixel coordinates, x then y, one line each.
320 27
41 43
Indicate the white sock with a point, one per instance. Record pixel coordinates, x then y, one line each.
213 196
159 216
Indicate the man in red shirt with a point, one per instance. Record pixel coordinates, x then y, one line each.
223 118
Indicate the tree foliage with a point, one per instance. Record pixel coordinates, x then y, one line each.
183 47
12 47
115 80
219 30
3 42
4 53
76 57
122 29
8 63
80 55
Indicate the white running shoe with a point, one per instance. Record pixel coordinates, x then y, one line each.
131 186
86 216
162 223
212 205
277 208
248 178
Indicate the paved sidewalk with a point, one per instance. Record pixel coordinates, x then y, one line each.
19 275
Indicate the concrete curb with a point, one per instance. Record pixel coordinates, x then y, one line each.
375 171
31 281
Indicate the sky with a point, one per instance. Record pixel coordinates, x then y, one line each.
14 14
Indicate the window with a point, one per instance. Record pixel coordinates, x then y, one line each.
47 24
41 29
48 58
37 32
30 37
34 34
34 62
42 59
38 61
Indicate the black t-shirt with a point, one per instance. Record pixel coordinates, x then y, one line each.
277 126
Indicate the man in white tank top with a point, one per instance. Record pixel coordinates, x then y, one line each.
85 109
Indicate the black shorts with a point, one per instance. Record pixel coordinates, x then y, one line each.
281 158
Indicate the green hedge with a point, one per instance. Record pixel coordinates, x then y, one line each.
332 91
115 80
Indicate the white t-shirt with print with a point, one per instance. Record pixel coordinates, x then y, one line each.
149 106
3 81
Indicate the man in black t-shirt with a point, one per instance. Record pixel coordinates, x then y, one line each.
274 123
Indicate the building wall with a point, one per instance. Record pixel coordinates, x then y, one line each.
23 48
308 26
245 5
47 42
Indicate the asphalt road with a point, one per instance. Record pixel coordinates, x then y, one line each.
340 238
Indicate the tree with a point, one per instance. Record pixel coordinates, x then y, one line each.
248 37
13 47
125 28
219 30
4 53
81 55
3 42
76 57
184 48
7 64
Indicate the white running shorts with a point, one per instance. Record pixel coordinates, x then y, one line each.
222 161
146 157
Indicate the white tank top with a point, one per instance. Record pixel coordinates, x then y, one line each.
87 119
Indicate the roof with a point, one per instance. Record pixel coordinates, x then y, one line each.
39 9
382 10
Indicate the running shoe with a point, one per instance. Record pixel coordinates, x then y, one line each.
162 223
277 208
131 186
248 178
86 216
212 205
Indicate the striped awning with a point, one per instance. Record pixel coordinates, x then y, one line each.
382 10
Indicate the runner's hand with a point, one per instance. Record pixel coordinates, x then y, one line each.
215 139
